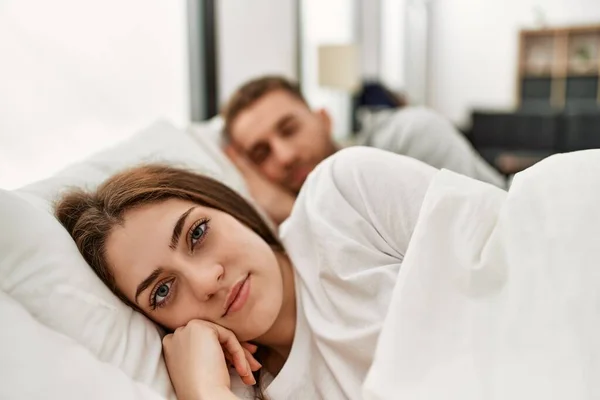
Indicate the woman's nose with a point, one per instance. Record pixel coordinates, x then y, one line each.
205 280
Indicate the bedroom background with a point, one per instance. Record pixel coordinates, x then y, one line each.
79 76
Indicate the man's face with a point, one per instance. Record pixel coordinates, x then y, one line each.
283 137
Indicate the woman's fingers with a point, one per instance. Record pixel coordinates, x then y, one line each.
236 351
194 358
252 348
228 358
166 340
254 365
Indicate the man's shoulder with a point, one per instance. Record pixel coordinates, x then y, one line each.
388 129
416 116
353 168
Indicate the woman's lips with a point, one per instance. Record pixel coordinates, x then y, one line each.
238 295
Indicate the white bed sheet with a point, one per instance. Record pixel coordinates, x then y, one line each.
498 297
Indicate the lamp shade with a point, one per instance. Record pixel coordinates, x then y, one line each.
339 67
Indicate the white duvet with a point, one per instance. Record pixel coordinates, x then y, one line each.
499 293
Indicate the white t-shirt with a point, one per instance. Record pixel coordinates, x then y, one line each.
422 134
346 236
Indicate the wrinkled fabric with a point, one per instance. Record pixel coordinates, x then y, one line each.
424 135
498 296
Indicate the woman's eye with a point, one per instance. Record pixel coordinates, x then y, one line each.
198 233
161 294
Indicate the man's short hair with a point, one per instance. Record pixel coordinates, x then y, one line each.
250 92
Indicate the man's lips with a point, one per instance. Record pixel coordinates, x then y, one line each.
234 293
299 175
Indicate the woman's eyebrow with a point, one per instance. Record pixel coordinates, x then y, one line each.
178 227
147 282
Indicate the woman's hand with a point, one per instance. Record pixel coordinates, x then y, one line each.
196 357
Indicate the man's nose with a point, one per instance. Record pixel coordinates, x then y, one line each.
284 152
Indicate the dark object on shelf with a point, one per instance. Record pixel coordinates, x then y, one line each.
531 136
515 131
536 94
558 99
581 131
581 95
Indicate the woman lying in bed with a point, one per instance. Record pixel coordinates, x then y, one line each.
196 258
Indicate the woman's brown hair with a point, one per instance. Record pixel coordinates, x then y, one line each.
89 217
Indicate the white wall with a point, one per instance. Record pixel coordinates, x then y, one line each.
474 49
327 22
255 37
77 76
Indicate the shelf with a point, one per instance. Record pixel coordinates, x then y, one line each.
561 30
555 63
590 74
560 75
547 75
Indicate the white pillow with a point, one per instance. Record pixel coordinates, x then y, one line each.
161 142
210 130
41 268
39 363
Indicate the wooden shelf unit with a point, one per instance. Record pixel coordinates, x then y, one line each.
557 65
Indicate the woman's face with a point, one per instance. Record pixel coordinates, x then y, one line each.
179 261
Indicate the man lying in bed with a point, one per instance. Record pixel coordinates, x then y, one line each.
276 140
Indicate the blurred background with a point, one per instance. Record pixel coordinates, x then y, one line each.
518 77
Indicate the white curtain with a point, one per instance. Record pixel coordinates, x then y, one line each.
393 43
404 62
417 50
